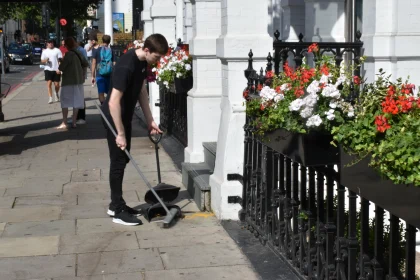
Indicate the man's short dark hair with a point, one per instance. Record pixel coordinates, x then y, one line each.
51 41
156 43
106 39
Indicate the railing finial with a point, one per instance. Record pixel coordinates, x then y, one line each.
269 63
300 38
276 35
358 36
249 70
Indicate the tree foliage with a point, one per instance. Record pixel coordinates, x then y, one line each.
70 9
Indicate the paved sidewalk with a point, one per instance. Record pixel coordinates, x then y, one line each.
54 194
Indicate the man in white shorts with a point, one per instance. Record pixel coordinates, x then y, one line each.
51 57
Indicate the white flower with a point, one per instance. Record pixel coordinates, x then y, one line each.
178 75
154 69
185 57
284 87
165 83
350 114
267 93
278 98
187 67
333 104
324 79
306 113
296 104
331 91
313 87
141 45
340 80
315 120
174 59
166 57
330 114
310 100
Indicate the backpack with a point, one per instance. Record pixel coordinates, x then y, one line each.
105 66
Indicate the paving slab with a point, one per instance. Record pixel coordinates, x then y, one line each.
237 272
118 262
86 175
28 246
42 228
25 268
97 242
169 238
2 226
98 186
48 200
36 190
85 226
29 214
84 211
7 202
104 197
202 256
119 276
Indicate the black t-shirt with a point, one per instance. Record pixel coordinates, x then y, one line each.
127 76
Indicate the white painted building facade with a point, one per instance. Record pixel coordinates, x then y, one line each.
221 33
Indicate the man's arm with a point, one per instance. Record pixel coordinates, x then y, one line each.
93 67
115 110
144 104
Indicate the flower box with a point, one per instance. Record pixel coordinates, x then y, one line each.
400 200
309 149
183 84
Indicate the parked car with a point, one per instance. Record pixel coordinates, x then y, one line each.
6 61
37 49
21 53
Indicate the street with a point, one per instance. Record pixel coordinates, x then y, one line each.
18 75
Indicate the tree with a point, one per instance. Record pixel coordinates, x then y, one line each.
71 10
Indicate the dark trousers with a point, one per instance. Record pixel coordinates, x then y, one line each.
119 161
81 114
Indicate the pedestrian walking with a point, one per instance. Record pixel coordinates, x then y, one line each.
88 48
102 64
72 92
81 115
128 87
51 57
63 48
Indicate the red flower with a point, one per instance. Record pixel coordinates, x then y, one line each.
299 92
389 106
324 70
259 88
313 48
307 75
408 88
262 107
269 74
391 90
245 94
357 80
382 124
289 72
278 90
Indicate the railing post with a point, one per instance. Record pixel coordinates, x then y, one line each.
378 260
352 238
410 252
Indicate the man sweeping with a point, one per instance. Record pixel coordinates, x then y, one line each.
128 86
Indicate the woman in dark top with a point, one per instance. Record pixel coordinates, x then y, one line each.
72 92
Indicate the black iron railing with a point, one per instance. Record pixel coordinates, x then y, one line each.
173 107
173 113
302 213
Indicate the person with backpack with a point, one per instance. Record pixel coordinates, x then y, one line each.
102 64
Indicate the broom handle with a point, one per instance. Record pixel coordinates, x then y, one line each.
134 162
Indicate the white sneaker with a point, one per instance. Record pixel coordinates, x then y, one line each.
50 100
80 121
56 98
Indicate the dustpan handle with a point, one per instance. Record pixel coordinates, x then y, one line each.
155 139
